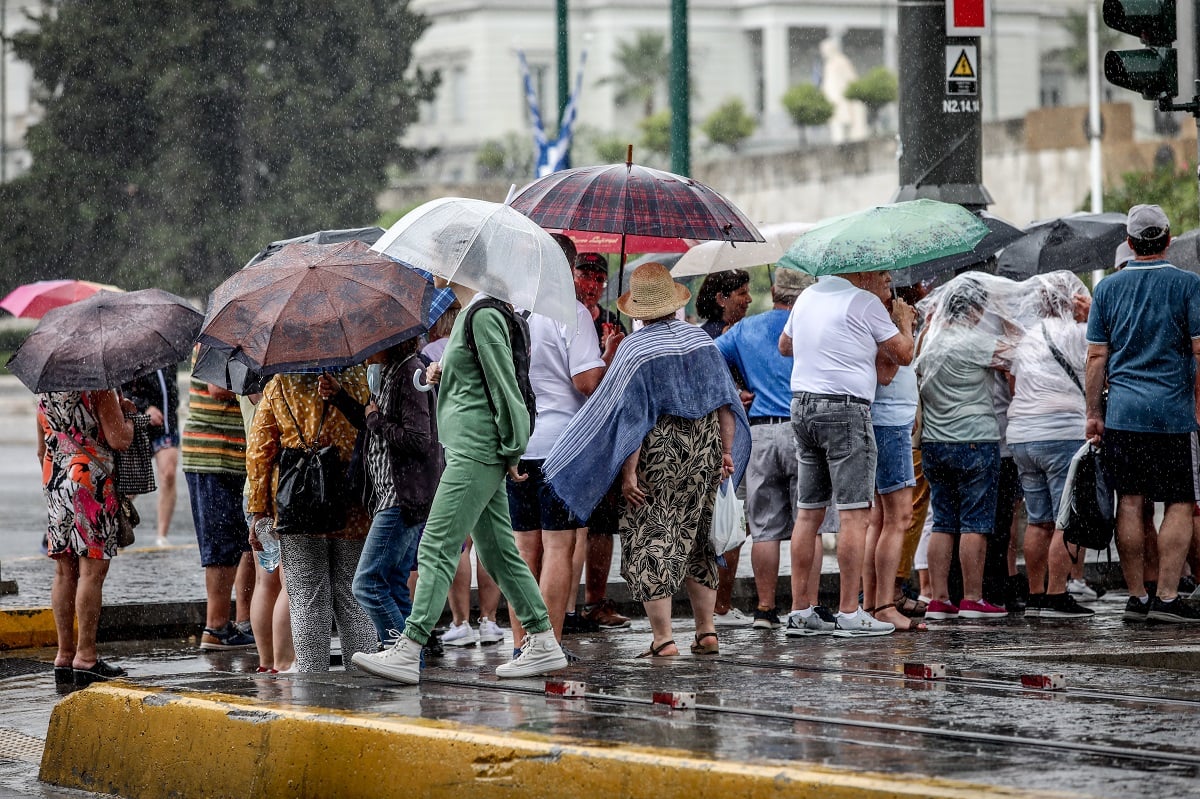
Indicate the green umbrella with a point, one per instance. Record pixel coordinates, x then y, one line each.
885 237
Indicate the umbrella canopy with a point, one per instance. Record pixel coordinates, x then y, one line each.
720 256
1000 235
885 237
32 300
1184 251
488 247
1079 243
105 341
595 241
318 306
367 235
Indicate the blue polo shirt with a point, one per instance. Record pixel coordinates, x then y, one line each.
752 345
1148 314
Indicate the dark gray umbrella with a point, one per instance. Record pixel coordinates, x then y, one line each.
1000 235
1079 242
106 340
1184 251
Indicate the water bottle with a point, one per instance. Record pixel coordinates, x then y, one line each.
264 530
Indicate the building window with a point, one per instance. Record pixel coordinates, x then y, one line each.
754 41
458 95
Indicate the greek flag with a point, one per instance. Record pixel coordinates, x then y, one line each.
551 156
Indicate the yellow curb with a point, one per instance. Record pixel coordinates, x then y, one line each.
144 744
23 628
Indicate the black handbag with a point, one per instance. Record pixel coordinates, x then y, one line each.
312 495
134 466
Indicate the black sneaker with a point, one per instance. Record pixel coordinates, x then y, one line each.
1177 611
433 647
575 623
767 619
1187 585
1034 605
1135 609
825 614
1063 606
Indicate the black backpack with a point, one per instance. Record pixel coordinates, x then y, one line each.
518 334
1091 521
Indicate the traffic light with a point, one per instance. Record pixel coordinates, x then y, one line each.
1153 70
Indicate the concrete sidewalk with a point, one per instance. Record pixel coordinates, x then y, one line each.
774 716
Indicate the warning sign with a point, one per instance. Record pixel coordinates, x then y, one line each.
962 77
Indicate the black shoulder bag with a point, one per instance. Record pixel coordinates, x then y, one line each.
312 494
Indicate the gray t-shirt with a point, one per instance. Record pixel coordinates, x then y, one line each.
956 399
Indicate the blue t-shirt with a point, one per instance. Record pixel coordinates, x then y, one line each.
752 346
1148 314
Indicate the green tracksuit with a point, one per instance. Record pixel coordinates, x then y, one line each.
472 498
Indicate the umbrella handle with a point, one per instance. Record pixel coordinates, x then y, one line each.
418 384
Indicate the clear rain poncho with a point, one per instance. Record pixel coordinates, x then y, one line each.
976 308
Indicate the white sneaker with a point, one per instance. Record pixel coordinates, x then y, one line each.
540 654
401 662
1081 591
460 635
161 541
489 632
861 624
734 618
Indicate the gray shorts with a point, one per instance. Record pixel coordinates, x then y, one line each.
836 449
771 482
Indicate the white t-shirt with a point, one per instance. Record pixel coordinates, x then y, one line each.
556 357
1047 405
836 329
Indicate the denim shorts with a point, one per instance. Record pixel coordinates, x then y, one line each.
533 504
836 451
1042 467
221 530
165 441
963 484
894 467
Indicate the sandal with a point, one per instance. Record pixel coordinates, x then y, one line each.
914 626
701 648
913 608
656 651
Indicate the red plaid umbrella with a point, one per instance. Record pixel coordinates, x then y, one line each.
633 200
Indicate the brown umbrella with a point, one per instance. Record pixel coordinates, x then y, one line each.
317 306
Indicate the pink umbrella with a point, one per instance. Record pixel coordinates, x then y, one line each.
32 300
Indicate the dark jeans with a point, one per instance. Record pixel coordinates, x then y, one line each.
381 582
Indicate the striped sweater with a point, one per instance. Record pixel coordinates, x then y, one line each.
214 440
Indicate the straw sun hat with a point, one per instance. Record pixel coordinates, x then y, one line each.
652 293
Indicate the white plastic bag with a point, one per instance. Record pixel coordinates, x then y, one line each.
729 519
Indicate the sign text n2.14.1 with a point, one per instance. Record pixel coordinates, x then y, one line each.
960 106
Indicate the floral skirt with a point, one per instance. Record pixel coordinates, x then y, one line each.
667 539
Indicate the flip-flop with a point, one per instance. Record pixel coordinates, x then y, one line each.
656 651
699 648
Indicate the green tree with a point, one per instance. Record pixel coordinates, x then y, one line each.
1167 185
874 90
807 105
729 125
656 133
644 64
509 157
177 141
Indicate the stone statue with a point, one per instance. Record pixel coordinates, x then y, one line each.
849 120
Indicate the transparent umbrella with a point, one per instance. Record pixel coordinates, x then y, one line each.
720 256
488 247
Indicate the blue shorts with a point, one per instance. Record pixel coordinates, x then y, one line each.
221 530
963 484
1043 466
894 462
164 441
533 504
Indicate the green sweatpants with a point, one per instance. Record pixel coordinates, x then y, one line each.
471 499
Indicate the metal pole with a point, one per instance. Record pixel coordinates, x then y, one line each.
681 122
1096 158
3 92
564 67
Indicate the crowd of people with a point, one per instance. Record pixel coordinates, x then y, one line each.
911 423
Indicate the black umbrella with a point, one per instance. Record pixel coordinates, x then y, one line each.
1079 242
1000 235
218 365
1184 251
106 341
